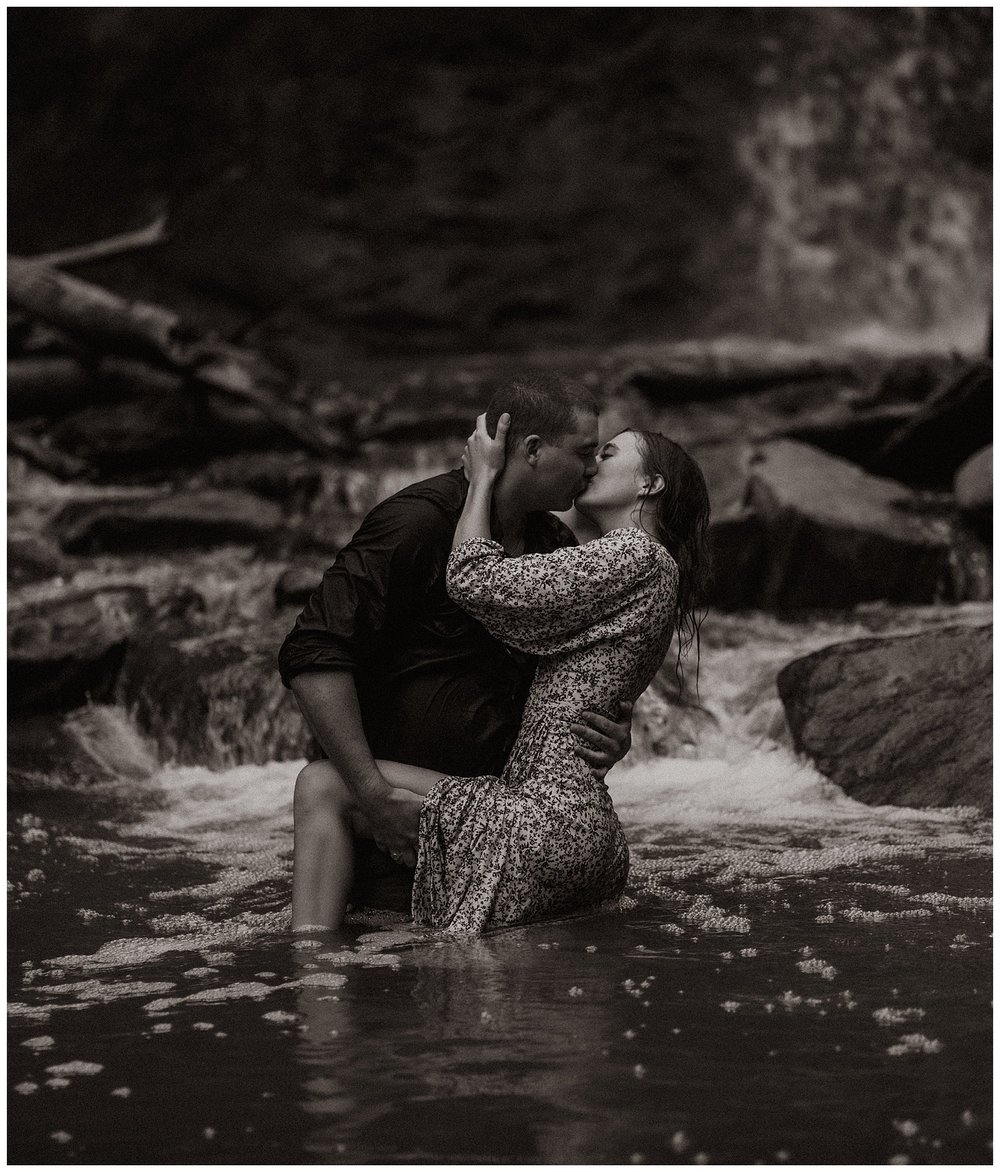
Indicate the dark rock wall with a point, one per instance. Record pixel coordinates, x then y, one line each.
427 179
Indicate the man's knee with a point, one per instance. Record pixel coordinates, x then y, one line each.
319 789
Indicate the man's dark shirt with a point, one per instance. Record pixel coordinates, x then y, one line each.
435 688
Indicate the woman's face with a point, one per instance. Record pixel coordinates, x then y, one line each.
619 475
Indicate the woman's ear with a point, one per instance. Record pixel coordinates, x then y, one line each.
652 485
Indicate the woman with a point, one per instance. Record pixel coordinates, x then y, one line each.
543 838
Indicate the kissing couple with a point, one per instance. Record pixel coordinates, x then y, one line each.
469 669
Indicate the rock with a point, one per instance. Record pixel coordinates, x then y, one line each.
32 557
902 720
836 536
974 481
182 520
296 584
735 532
291 478
213 700
62 650
955 422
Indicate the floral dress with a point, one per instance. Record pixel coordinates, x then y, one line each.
543 838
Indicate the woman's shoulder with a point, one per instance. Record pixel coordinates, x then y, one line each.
640 545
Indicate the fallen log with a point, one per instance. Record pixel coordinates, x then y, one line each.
141 329
48 459
46 386
153 234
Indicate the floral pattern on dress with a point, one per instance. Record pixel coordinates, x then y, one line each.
543 838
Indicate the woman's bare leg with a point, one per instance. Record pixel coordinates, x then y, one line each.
326 820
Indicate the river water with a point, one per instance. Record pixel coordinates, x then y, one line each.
793 976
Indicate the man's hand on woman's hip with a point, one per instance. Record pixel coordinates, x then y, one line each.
603 742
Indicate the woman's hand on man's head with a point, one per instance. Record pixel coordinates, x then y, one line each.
485 455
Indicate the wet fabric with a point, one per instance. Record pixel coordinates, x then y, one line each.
542 837
436 688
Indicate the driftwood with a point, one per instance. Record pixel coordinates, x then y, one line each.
46 386
155 233
141 330
39 454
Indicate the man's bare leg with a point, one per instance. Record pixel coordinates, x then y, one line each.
326 819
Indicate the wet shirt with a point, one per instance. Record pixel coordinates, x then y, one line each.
435 688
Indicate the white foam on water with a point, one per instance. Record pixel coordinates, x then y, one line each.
760 787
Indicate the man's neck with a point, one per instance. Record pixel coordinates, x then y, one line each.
511 511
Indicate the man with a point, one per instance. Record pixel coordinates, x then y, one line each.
385 667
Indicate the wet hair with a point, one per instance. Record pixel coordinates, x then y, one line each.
541 404
681 513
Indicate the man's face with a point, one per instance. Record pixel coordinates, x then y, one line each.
565 465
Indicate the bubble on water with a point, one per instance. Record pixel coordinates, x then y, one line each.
748 952
899 1158
892 1016
915 1044
241 990
57 1082
60 1137
968 1119
42 1042
817 967
202 971
368 960
208 1132
103 992
486 1016
162 1027
203 1025
629 1035
307 943
639 1070
322 979
576 991
36 877
280 1015
700 1157
26 1088
790 1000
730 1006
672 929
679 1142
17 1011
906 1127
265 976
122 1092
824 919
637 1158
77 1066
591 948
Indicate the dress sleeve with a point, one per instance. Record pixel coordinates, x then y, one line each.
377 581
548 603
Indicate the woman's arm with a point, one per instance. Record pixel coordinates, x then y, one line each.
483 461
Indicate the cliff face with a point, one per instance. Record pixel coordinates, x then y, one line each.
419 179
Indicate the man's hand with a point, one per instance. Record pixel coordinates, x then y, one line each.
394 825
603 742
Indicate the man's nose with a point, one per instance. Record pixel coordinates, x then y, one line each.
590 471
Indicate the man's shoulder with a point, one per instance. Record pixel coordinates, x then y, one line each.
431 505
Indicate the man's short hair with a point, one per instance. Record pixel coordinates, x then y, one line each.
540 404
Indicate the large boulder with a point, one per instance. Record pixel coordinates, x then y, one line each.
62 650
179 521
974 481
213 700
735 531
836 536
902 720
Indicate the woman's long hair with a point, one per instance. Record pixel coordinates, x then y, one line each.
680 517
